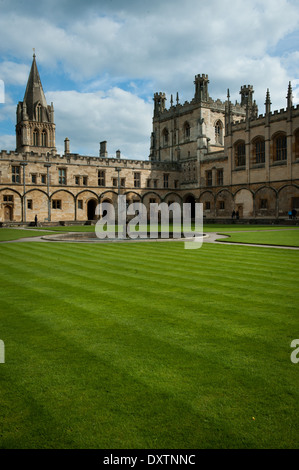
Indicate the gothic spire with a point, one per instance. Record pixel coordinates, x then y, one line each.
34 91
289 96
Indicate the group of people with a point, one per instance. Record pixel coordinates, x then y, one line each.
235 214
292 214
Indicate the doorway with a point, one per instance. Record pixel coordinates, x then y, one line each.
91 209
8 213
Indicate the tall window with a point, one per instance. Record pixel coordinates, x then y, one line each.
259 151
165 136
209 178
39 113
240 154
219 133
165 180
220 177
101 178
35 138
16 174
280 148
187 130
62 175
136 180
44 138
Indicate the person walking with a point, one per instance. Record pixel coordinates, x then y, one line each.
35 220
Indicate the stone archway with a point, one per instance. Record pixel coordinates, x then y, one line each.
191 200
91 209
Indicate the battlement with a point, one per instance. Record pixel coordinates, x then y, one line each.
76 159
246 88
202 76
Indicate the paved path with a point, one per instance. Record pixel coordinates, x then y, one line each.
210 237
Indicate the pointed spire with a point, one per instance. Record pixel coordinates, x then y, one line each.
268 102
289 96
34 91
177 98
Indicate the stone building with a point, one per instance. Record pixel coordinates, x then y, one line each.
222 154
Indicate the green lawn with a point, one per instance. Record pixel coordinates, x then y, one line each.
148 345
288 237
7 234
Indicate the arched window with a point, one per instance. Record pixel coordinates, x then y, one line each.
39 113
240 154
187 130
165 135
258 149
219 133
35 138
280 147
44 138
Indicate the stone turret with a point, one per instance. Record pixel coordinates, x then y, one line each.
159 100
201 88
246 95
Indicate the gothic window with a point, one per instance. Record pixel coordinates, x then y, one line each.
280 147
259 151
29 204
39 113
44 139
240 154
187 129
219 133
33 179
264 204
165 136
35 138
80 203
84 180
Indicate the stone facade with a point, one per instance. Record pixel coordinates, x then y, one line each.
218 153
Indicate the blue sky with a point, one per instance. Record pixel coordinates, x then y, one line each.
101 62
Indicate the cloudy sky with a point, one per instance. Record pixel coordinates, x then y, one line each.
101 61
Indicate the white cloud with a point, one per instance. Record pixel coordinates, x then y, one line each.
7 142
161 45
118 116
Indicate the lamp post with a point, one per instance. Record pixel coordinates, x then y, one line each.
23 164
48 165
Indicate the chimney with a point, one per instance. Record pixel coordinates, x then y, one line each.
103 149
66 146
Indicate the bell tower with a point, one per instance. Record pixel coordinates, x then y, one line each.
35 128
